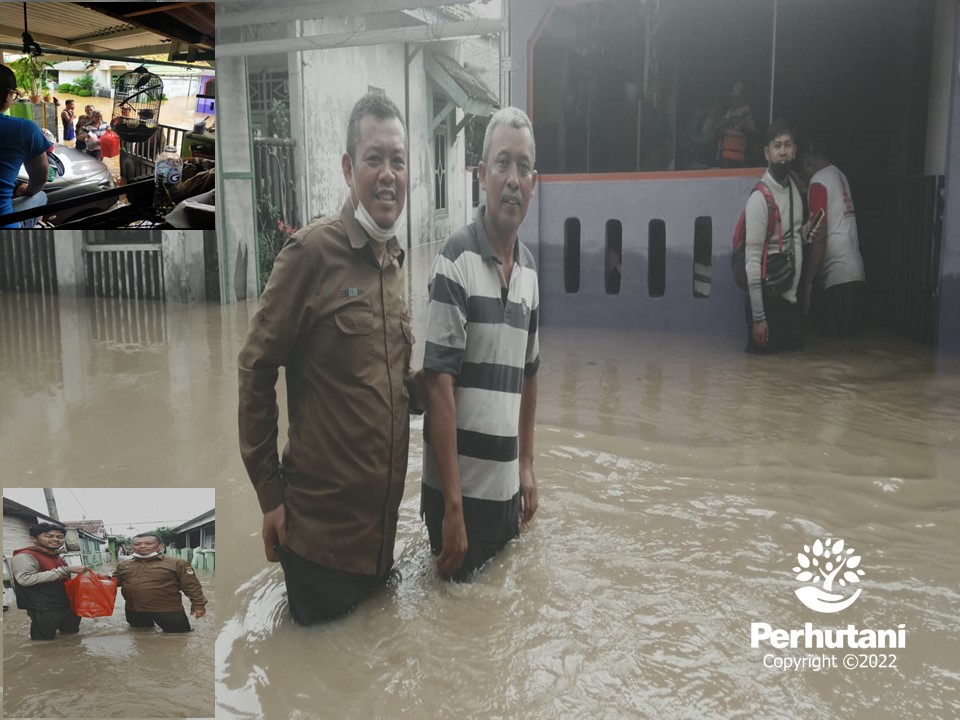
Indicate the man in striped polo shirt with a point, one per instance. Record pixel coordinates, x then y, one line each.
481 359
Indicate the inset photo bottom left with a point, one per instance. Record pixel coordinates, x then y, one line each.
108 602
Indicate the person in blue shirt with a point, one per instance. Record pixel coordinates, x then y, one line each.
21 143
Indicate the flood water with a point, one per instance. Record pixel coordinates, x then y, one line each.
679 479
109 669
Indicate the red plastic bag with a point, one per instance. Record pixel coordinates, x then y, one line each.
109 144
91 595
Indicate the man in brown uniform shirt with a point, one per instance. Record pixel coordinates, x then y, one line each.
333 315
151 584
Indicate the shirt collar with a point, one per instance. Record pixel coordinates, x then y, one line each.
487 251
358 237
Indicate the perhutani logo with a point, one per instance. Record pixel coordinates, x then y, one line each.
821 566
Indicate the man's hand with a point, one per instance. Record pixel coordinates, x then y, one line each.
454 542
417 388
761 333
274 531
528 493
77 569
198 612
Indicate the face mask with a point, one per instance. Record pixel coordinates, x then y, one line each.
780 171
377 233
144 557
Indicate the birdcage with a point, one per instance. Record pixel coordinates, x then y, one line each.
136 105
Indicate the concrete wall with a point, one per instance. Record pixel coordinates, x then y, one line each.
236 231
183 270
678 202
938 113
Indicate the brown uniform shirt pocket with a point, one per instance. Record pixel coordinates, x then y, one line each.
355 342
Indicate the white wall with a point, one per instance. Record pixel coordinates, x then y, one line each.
941 70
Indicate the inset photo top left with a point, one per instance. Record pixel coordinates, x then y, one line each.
98 581
107 115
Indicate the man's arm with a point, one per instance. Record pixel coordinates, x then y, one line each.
271 341
528 421
190 586
756 234
26 571
442 426
37 168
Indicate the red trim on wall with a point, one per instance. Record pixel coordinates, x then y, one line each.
664 175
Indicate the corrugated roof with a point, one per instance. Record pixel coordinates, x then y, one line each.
94 527
114 27
457 12
470 84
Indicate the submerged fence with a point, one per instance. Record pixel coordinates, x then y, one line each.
27 261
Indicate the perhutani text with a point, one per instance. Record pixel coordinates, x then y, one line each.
810 637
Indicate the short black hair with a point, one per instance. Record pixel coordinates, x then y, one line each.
40 528
153 535
780 126
8 79
373 103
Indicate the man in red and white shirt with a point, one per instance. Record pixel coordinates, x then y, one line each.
836 265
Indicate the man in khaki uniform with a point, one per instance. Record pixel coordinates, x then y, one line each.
334 317
151 584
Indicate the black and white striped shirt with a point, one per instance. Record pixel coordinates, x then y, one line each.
489 345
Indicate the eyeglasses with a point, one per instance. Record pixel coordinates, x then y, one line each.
15 92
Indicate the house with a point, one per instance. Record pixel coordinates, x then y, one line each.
177 81
198 532
89 536
617 90
196 541
440 64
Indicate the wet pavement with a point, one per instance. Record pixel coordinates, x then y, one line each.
679 479
109 669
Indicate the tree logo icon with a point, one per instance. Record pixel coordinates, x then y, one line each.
820 566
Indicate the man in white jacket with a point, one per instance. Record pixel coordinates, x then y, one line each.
774 321
835 262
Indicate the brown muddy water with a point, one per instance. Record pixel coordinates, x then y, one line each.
679 480
110 670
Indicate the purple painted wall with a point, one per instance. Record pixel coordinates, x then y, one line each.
205 105
677 202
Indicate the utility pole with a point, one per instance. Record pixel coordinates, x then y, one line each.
51 504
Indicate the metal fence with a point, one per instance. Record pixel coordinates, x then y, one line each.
276 173
276 198
900 223
27 261
129 271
